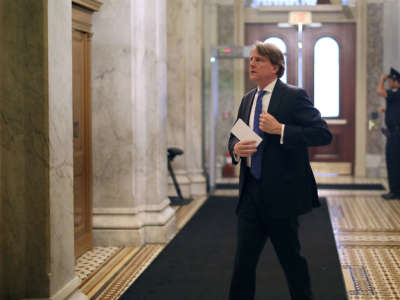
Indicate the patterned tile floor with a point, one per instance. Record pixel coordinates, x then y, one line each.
106 272
366 228
367 233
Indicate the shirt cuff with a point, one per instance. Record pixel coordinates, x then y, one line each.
282 132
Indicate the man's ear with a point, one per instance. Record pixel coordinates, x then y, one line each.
275 68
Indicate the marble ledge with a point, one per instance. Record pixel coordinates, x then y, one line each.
69 292
198 189
118 238
155 234
132 221
184 185
192 183
122 237
197 177
132 210
181 177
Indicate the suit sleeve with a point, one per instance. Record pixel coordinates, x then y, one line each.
234 140
308 128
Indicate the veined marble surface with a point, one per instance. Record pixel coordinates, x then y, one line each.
36 150
129 120
184 72
375 139
112 105
62 256
24 149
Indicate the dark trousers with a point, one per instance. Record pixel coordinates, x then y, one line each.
393 161
252 233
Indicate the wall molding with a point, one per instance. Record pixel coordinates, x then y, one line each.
93 5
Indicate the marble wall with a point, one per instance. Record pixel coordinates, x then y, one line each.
24 155
375 60
36 151
185 110
112 91
63 280
210 40
219 30
391 35
382 48
129 116
226 110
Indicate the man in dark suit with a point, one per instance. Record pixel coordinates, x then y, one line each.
276 181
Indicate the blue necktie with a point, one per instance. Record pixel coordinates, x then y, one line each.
256 159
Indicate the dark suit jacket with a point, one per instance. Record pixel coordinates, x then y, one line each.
288 186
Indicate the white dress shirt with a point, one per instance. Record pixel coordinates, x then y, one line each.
265 104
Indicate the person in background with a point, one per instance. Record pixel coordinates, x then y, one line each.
392 120
276 182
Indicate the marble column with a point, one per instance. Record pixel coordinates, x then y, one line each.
361 89
185 94
375 141
391 35
129 92
36 151
210 40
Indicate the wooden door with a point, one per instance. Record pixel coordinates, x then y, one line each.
341 150
82 142
261 32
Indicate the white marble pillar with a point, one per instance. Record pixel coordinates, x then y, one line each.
64 284
185 94
129 91
37 153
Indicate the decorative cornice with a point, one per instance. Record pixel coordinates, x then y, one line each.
312 8
93 5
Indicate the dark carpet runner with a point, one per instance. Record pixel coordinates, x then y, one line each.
197 264
322 186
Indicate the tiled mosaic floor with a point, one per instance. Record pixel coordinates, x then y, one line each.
367 232
106 272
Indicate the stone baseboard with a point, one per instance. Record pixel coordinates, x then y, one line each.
133 227
191 184
184 185
198 185
160 235
69 292
118 237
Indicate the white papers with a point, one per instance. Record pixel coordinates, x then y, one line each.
243 132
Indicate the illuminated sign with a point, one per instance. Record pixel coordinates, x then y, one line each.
300 17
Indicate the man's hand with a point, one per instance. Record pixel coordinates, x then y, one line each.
269 124
384 77
245 148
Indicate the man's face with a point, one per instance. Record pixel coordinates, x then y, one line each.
392 83
396 84
261 71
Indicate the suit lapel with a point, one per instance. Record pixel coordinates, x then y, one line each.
273 107
274 103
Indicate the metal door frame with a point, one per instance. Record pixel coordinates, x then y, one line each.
217 53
